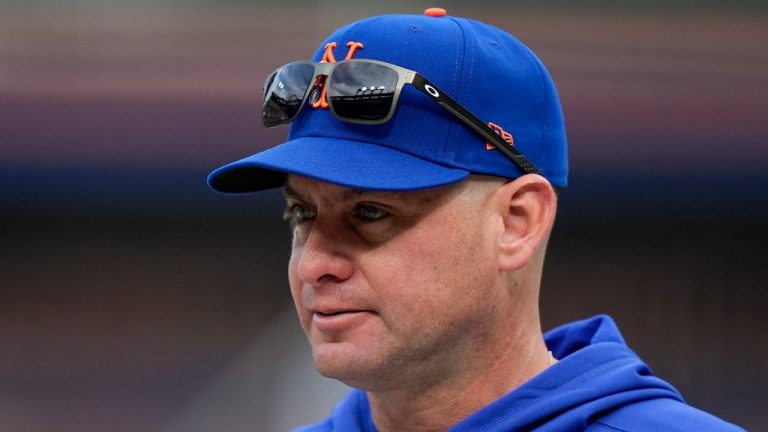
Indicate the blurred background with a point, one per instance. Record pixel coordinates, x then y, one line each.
134 299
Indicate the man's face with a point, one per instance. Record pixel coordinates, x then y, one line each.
394 287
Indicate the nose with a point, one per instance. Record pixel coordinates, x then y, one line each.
325 255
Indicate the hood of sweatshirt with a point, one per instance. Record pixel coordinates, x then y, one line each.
596 374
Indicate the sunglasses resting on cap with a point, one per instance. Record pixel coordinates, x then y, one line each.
365 92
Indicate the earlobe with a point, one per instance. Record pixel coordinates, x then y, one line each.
528 206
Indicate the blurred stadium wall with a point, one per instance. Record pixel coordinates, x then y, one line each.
134 299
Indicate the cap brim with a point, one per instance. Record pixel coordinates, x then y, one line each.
346 163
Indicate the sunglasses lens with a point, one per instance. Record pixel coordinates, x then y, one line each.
284 91
361 91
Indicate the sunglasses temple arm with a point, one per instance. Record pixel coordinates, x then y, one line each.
445 101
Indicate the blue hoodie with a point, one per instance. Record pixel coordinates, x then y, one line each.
598 385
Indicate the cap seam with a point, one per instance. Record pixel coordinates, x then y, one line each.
539 101
457 84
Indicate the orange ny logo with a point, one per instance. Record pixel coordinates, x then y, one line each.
318 97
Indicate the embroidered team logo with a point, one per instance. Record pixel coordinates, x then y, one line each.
506 136
317 96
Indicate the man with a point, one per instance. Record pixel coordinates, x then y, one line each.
420 175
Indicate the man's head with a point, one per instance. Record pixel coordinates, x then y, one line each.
418 244
401 287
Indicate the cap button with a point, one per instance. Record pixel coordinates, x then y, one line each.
435 12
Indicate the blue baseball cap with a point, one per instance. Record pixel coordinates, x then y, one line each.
488 71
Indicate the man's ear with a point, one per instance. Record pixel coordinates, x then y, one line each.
528 205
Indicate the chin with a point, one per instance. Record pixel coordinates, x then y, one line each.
344 362
336 359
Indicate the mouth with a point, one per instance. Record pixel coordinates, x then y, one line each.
330 314
329 310
335 320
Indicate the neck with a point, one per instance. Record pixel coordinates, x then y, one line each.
438 405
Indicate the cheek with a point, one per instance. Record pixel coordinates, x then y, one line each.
296 285
431 273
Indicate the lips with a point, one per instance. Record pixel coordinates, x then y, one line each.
338 319
334 313
328 309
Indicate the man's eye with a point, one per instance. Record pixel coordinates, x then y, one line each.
370 213
297 213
